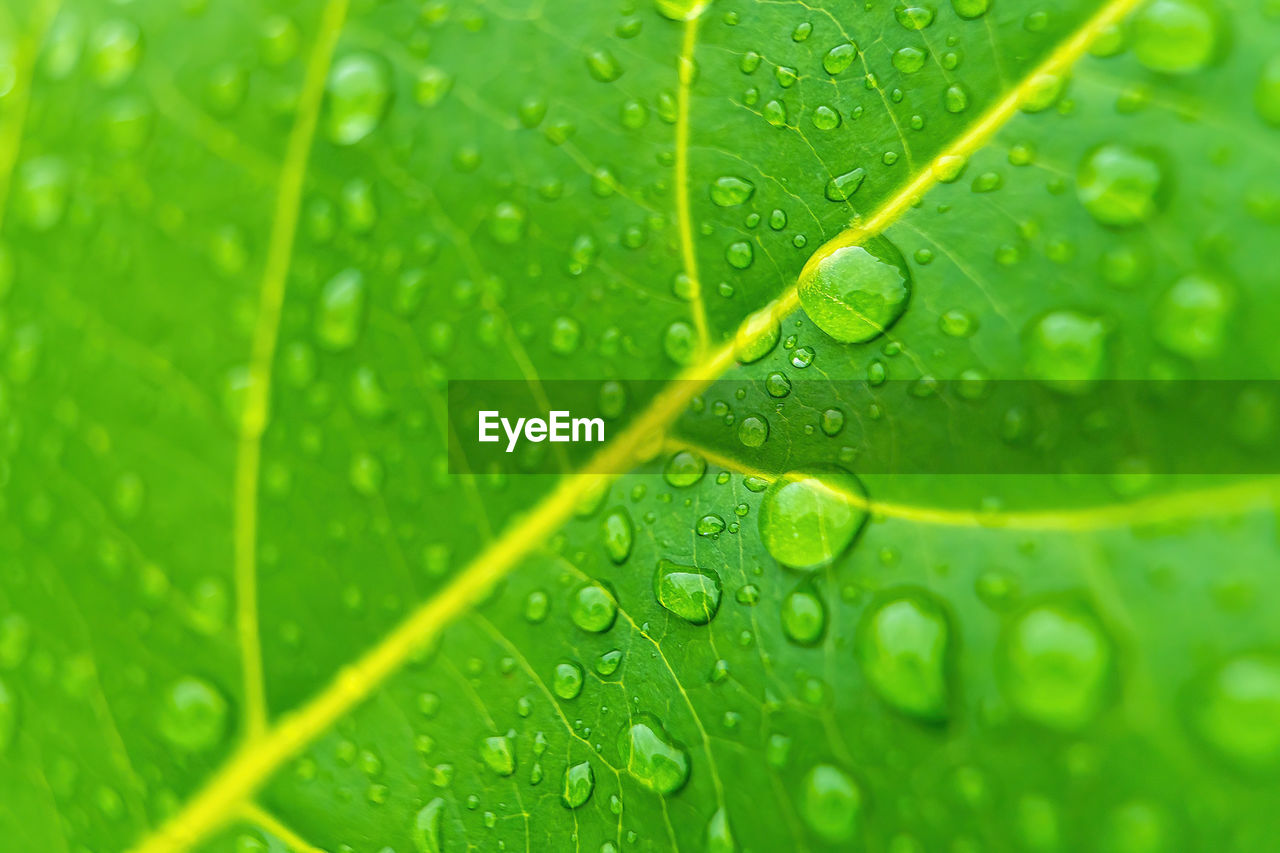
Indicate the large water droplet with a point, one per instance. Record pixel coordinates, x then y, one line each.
902 647
1175 36
681 10
810 516
193 714
856 292
691 593
340 314
1120 185
359 90
1054 664
1236 712
1191 317
566 680
593 608
653 757
831 802
1067 350
579 782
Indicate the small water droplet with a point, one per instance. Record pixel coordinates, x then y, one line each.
804 617
730 191
1120 185
193 714
593 608
691 593
903 646
831 802
358 91
652 756
1055 664
579 782
340 314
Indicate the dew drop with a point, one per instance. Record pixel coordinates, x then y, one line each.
1191 317
970 9
44 185
652 757
681 10
603 66
757 336
617 532
193 714
427 827
719 834
841 187
839 58
804 617
684 469
1054 664
359 90
1266 97
593 608
498 756
909 59
810 516
753 431
831 802
1175 36
1119 185
114 51
730 191
1236 712
691 593
579 782
903 646
1067 350
340 313
566 680
739 255
856 292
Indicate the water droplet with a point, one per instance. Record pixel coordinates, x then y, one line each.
193 714
841 187
856 292
608 662
777 385
1266 97
579 782
970 9
739 255
802 357
498 756
1191 317
1236 711
914 17
839 58
1175 36
507 223
652 757
680 342
114 51
824 118
831 422
1067 350
909 59
757 336
566 680
691 593
684 469
1055 665
730 191
359 90
8 716
831 802
753 430
432 85
427 827
340 314
775 112
617 532
593 608
1119 185
903 646
44 185
710 525
810 516
603 66
955 99
719 835
804 617
681 10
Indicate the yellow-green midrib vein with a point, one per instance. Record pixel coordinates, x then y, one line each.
253 764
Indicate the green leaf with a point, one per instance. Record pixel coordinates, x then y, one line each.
248 601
